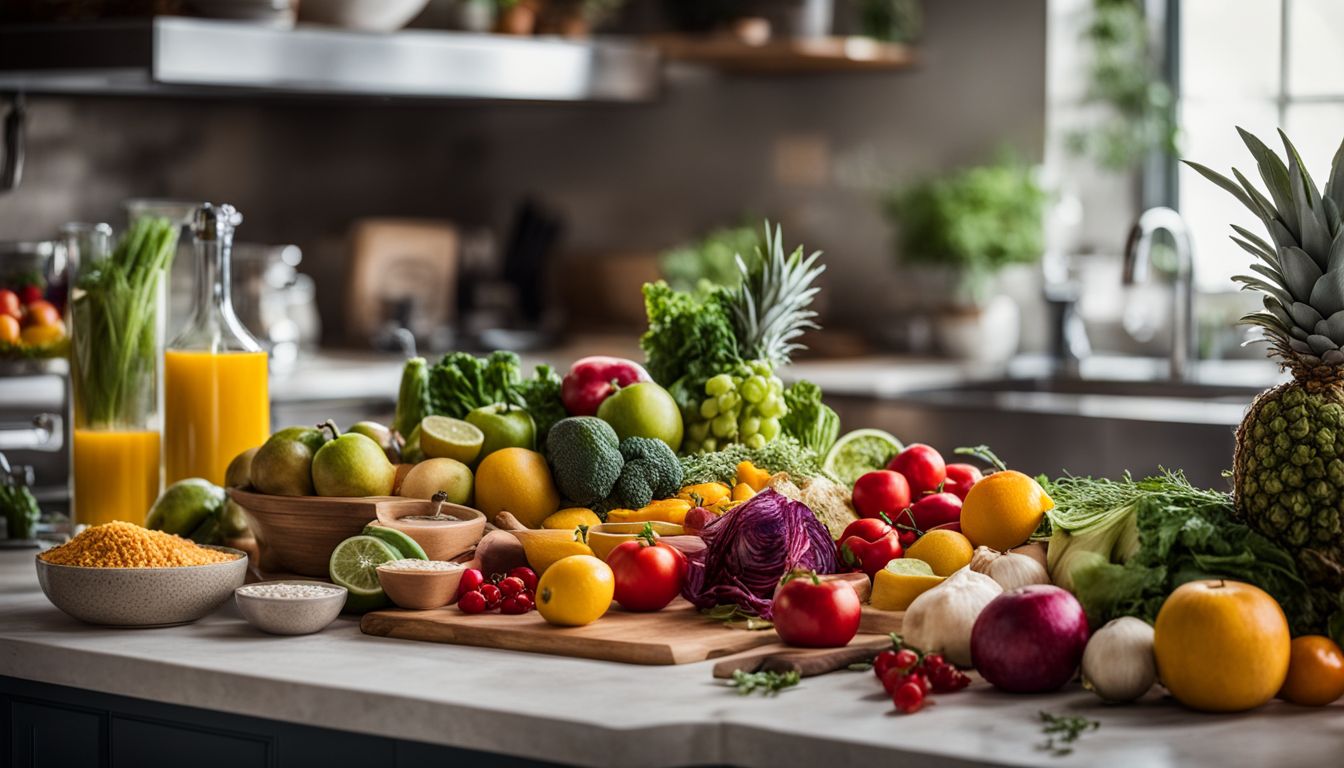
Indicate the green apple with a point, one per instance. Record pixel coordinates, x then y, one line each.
643 410
504 426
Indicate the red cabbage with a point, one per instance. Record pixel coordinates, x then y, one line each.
749 548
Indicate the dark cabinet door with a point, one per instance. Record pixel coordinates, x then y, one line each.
46 736
137 743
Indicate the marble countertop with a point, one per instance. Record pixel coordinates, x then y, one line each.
596 713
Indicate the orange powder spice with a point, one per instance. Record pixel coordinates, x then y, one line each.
127 545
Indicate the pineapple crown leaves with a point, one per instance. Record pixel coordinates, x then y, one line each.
770 309
1299 270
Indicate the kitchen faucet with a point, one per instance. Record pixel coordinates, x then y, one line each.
1138 261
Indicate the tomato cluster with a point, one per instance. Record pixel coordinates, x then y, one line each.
513 593
27 319
909 676
916 492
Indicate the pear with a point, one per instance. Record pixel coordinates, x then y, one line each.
283 464
352 465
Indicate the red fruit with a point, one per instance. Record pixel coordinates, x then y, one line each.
906 659
10 305
908 538
882 491
922 466
492 596
472 602
42 313
948 679
648 573
513 605
593 379
30 293
908 699
935 510
883 662
527 575
511 586
868 544
526 600
960 479
812 613
934 661
697 519
896 678
472 579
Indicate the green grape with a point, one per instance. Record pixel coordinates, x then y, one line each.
749 426
709 445
756 442
761 367
729 401
718 385
776 385
754 389
724 426
698 431
772 407
769 429
709 408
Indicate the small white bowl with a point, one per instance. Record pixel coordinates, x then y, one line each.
290 615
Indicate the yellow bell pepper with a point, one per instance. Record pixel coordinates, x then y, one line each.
742 492
666 510
705 494
752 475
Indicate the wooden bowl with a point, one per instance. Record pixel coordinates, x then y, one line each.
446 540
607 536
420 589
296 534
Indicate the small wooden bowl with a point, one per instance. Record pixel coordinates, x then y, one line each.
420 590
446 540
607 536
296 534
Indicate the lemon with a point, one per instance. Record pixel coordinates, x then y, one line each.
575 591
945 551
516 480
571 518
445 438
1003 510
900 582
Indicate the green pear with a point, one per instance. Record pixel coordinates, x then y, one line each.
283 464
352 465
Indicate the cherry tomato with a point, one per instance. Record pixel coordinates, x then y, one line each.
492 596
472 602
9 304
883 662
922 466
648 572
512 606
948 679
881 491
526 600
909 699
527 575
511 585
43 313
30 293
961 478
933 661
472 579
812 613
9 329
896 678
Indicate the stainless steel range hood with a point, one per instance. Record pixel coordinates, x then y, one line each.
170 55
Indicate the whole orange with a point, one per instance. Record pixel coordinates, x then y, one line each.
1315 672
519 481
9 330
1221 646
1003 510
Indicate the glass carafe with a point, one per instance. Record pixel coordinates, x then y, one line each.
117 314
216 393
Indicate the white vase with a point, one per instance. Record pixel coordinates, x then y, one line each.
988 334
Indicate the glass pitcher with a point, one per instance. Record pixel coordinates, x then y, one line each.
216 391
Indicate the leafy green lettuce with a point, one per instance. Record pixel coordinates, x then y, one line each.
461 382
810 420
690 338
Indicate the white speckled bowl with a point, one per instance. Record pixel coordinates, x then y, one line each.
289 615
141 597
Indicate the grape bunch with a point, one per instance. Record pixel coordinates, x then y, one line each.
743 405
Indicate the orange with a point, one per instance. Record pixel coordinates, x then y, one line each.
9 330
1221 646
43 335
516 480
1315 672
945 551
1003 510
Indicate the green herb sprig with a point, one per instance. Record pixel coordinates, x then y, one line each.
766 683
1061 731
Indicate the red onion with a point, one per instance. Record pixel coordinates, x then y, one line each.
1030 639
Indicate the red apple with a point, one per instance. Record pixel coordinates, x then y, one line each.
961 478
922 466
1030 639
593 379
881 491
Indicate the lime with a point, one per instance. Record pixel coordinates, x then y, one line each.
860 452
405 545
445 438
908 566
354 564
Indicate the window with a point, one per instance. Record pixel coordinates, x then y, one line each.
1258 64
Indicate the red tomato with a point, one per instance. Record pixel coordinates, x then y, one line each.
527 575
881 491
648 573
960 479
472 579
30 294
936 510
868 544
922 466
812 613
43 313
9 304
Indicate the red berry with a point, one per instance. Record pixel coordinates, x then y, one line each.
492 596
472 602
948 679
883 662
512 607
525 600
906 659
895 678
472 579
512 586
527 575
909 698
933 661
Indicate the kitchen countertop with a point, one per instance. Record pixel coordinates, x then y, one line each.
588 712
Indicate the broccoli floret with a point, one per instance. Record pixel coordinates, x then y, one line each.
651 471
585 458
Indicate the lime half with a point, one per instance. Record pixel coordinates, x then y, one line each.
445 438
354 564
406 546
909 566
860 452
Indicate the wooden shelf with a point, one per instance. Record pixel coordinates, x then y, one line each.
779 57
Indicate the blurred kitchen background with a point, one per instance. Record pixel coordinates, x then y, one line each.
507 173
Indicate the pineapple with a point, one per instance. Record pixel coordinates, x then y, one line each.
1288 470
770 309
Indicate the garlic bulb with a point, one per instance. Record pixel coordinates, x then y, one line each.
1010 569
1118 664
940 620
1034 549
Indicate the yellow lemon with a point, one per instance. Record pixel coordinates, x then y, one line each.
544 548
571 518
516 480
898 584
945 551
575 591
1003 510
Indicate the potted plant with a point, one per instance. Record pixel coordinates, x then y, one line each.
961 230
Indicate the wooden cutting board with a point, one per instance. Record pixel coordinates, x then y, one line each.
678 634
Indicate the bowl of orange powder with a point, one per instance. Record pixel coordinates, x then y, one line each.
121 574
